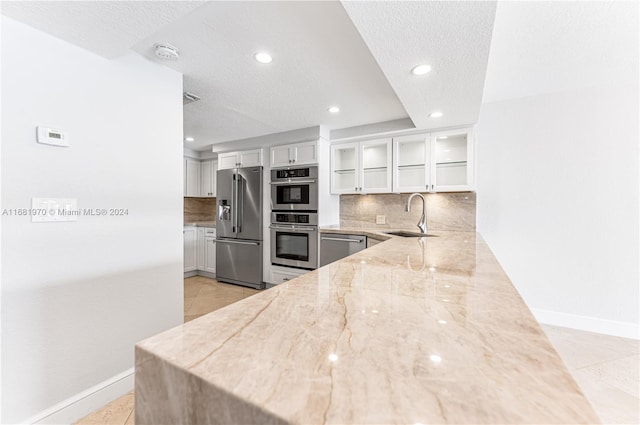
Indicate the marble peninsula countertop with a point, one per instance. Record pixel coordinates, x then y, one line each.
201 223
409 331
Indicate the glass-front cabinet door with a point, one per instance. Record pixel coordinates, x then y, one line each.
344 168
452 153
376 166
412 163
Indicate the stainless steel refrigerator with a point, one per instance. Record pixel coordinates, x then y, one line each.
239 226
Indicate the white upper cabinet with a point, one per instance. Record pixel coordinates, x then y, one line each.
208 171
249 158
452 161
295 154
412 163
361 167
345 161
375 162
191 177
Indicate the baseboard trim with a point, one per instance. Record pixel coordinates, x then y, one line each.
587 323
206 274
80 405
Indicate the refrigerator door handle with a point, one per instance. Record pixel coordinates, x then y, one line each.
233 241
240 206
234 204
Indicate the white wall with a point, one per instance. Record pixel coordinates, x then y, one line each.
77 296
558 203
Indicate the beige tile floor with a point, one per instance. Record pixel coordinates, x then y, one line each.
605 367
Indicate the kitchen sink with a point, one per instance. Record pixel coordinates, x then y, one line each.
407 234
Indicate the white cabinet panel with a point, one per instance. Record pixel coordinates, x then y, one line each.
250 158
412 163
190 248
344 168
208 179
452 161
376 166
282 276
281 156
227 160
199 248
361 167
192 177
209 255
296 154
435 162
305 153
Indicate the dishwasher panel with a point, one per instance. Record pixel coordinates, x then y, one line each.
334 246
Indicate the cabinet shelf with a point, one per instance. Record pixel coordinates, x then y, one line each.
347 170
375 169
411 166
452 163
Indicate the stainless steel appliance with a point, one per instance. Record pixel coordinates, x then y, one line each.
335 246
294 189
239 226
294 239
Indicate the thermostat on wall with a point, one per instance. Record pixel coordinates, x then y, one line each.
49 136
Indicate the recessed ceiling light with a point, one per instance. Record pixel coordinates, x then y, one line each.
334 109
189 139
443 137
263 57
435 114
420 69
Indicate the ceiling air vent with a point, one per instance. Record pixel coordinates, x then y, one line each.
189 98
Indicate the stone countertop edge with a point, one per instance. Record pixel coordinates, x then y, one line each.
200 224
411 330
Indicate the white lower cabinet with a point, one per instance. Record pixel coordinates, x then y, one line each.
190 248
210 255
284 274
200 250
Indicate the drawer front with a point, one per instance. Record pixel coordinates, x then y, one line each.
278 277
209 232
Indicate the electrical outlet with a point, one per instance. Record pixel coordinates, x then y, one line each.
381 219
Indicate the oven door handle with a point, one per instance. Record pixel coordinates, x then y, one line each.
294 182
292 228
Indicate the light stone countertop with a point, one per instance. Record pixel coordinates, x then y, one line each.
201 224
409 331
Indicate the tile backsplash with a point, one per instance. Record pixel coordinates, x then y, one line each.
199 209
445 211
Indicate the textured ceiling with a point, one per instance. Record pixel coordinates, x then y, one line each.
545 47
356 55
453 37
108 28
319 60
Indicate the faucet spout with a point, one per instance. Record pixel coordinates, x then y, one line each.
422 224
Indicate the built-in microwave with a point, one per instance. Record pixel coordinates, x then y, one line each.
294 189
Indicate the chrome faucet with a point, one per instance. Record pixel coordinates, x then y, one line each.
422 224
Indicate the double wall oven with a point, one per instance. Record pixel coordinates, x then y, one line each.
294 217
